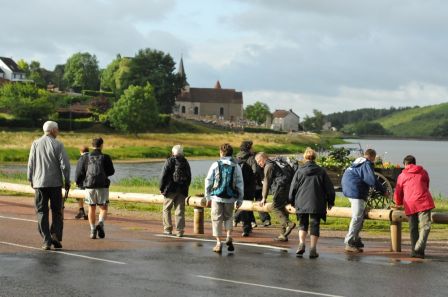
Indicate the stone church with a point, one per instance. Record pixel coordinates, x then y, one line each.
209 103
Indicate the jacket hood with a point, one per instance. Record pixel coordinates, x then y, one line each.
411 168
243 155
359 161
310 168
228 161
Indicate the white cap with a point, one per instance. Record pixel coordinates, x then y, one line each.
177 150
49 126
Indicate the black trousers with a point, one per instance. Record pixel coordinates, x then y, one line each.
304 223
42 197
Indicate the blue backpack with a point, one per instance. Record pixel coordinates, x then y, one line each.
223 185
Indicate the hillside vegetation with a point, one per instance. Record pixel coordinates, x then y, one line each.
418 121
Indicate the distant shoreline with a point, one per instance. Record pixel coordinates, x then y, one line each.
389 137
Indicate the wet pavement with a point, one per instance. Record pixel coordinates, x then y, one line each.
136 260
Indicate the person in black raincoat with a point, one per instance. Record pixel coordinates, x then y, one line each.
312 193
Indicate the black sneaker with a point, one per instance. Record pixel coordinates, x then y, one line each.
55 242
100 230
81 214
229 243
358 243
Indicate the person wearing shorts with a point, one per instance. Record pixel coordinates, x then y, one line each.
96 170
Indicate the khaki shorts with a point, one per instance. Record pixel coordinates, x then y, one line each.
97 196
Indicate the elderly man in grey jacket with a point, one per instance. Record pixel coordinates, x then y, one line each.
48 171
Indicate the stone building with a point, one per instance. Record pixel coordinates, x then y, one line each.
285 120
213 103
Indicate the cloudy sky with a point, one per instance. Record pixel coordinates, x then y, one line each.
300 54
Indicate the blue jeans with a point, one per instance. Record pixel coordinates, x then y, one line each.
358 207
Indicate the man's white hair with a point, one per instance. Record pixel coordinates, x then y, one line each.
49 126
177 150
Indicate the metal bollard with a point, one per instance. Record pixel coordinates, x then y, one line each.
198 220
395 236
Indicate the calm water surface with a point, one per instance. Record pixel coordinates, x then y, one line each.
429 154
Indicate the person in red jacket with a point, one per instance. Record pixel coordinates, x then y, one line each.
412 191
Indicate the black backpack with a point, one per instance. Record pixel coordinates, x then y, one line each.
248 179
287 172
95 174
181 173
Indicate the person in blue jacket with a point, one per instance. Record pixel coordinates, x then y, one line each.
356 182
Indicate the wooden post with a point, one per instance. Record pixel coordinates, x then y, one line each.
395 236
198 220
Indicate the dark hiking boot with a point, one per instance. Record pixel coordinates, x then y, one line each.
100 230
418 255
300 250
313 253
55 242
93 234
358 243
245 234
81 214
349 248
289 228
229 243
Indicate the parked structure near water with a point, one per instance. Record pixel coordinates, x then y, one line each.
212 103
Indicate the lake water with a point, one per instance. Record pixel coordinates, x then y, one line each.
429 154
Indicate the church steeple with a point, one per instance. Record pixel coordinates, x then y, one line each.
181 72
218 85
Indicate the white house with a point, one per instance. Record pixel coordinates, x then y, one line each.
10 71
285 120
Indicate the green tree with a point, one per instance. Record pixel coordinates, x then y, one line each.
112 77
314 123
58 76
158 69
81 72
365 128
136 110
26 101
33 71
257 112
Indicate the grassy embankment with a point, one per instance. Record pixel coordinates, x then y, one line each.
14 146
415 122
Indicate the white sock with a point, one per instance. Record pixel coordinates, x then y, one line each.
92 227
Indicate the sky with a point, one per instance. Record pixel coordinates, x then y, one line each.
290 54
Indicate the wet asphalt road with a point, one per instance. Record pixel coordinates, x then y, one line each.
133 260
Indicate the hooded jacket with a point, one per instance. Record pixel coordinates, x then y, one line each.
167 184
412 190
311 190
358 178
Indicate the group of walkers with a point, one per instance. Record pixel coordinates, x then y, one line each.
49 171
229 181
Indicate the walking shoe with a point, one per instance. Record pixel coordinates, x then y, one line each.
235 224
267 223
245 234
419 255
229 243
81 214
352 249
180 234
100 229
46 247
218 248
281 238
55 242
254 225
93 234
300 250
167 233
313 253
289 228
358 243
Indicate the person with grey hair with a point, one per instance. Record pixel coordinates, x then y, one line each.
49 170
175 181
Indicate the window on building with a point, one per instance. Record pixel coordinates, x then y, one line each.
183 109
196 110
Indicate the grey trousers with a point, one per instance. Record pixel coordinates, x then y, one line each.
419 227
42 197
222 214
279 201
176 200
358 207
